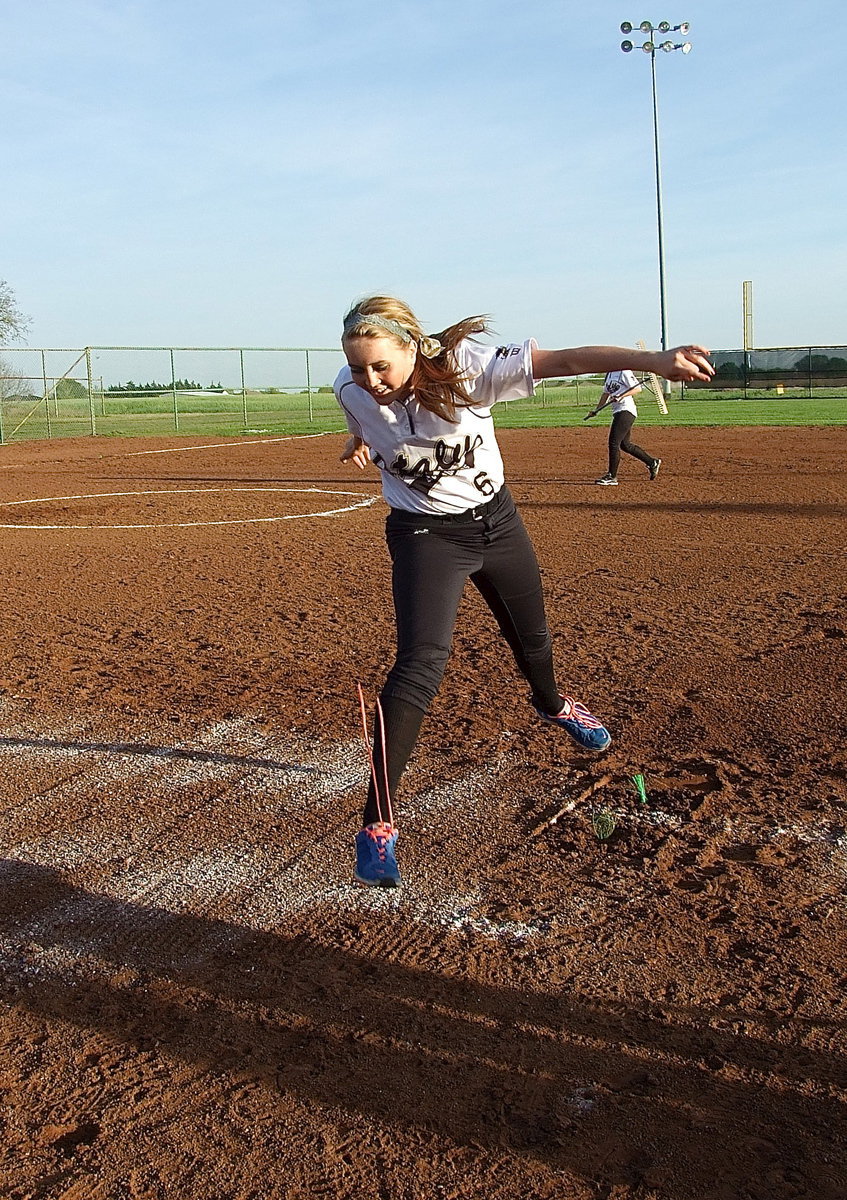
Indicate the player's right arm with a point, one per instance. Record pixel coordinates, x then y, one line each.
682 364
356 450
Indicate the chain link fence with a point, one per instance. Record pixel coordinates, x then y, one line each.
161 390
127 390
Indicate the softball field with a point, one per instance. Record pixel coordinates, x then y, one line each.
580 993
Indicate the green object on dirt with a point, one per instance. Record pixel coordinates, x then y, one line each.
604 823
638 780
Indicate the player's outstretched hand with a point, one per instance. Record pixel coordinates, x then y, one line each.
684 363
357 451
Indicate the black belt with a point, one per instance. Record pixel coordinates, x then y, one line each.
479 513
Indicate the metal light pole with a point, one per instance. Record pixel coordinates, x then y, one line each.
650 47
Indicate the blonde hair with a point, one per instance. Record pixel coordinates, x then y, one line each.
437 380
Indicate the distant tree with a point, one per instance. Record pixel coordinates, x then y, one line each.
158 389
70 389
13 323
728 370
13 386
13 326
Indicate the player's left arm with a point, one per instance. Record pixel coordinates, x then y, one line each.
682 364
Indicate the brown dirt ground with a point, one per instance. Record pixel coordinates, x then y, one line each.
197 1004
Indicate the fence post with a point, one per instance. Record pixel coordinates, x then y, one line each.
173 393
90 379
46 393
243 390
309 386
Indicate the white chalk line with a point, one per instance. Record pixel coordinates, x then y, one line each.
261 887
292 437
236 884
363 502
318 775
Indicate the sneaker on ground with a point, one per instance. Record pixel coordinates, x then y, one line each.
654 467
376 865
576 720
607 481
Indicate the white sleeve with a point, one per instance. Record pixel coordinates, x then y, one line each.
496 372
345 380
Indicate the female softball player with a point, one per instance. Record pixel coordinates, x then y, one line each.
620 389
419 408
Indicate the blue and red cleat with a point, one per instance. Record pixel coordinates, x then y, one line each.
576 720
376 865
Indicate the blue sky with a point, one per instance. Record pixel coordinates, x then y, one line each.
180 172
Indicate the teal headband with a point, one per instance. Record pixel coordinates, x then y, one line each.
355 319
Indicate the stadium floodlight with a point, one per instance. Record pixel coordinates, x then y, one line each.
650 47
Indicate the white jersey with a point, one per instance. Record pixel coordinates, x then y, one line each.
429 465
618 382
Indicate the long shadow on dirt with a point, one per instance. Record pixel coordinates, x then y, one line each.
578 1084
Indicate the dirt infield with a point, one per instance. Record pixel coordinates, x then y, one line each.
198 1004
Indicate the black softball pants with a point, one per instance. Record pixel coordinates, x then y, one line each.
622 423
432 558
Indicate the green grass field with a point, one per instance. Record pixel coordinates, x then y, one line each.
259 414
690 412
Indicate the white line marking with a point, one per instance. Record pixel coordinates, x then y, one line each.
198 853
364 502
292 437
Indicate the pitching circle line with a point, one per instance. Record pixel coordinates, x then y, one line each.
364 502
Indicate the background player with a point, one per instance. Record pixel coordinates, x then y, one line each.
619 390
